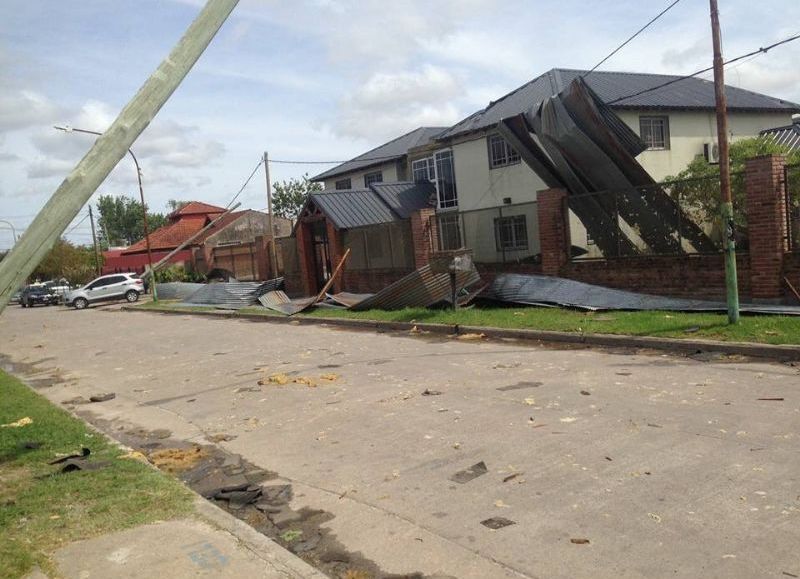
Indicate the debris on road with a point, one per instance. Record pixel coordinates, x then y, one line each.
473 472
19 423
501 505
495 523
585 393
175 460
102 397
771 399
655 517
75 401
84 453
579 541
329 377
512 476
471 336
220 437
428 392
519 386
530 401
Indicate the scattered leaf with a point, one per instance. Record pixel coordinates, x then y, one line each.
19 423
291 535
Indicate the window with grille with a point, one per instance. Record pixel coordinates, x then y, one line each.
376 177
343 184
438 169
449 231
654 131
511 233
501 154
423 170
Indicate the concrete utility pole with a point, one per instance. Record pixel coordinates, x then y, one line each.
273 259
91 171
726 208
94 241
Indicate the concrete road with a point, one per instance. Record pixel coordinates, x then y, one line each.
667 466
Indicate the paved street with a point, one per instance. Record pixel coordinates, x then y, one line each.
668 466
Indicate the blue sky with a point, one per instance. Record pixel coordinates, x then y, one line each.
318 79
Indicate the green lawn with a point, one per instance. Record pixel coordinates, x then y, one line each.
41 510
760 329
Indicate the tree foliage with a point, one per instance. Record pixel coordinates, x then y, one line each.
120 221
288 196
701 192
74 263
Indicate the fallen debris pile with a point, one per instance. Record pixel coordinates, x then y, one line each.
232 295
543 290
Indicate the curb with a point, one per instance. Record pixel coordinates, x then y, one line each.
781 353
285 562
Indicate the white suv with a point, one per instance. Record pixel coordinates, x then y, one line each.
107 287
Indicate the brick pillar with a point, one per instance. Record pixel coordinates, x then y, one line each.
553 230
766 224
421 235
336 247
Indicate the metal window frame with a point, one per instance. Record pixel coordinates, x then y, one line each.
510 156
431 161
510 221
373 177
349 182
664 119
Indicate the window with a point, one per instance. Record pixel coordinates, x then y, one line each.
439 170
511 233
376 177
654 131
343 184
423 170
501 154
449 231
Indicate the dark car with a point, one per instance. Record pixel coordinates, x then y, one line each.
37 294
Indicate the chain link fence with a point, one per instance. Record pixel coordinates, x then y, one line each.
505 234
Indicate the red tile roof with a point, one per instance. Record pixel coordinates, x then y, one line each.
171 235
196 208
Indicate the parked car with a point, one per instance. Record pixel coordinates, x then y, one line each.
60 287
128 286
37 295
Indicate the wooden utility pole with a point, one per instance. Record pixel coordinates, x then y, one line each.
75 191
94 241
273 259
726 207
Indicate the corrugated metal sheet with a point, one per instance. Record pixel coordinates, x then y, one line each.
420 288
788 136
548 290
348 299
394 149
353 208
177 290
280 302
232 295
692 93
406 197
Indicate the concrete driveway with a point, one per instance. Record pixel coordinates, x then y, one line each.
608 464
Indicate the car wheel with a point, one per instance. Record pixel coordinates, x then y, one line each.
80 303
131 296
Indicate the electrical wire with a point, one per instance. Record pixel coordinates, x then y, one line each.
74 227
359 159
762 50
247 181
637 33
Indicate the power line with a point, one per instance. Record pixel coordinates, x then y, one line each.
74 227
358 159
637 33
762 50
239 192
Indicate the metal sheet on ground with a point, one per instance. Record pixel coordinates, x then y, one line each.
278 301
542 289
232 295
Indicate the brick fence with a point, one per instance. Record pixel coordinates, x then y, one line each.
761 270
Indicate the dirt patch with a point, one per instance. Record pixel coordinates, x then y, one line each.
177 460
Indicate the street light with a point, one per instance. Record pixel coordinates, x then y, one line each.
68 129
11 225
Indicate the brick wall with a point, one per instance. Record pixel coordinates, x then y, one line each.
371 280
693 276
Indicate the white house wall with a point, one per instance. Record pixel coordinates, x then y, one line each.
389 171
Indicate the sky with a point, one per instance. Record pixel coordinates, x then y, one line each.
318 80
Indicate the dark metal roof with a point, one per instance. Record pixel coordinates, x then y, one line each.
353 208
405 197
788 136
689 93
393 150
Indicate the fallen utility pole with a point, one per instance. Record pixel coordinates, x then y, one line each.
726 207
91 171
94 242
166 258
273 258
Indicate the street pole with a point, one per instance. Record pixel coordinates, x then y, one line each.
78 187
94 241
146 228
273 259
726 208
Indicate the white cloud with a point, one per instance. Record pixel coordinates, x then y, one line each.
389 104
20 109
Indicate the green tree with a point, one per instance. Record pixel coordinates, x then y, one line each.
175 204
74 263
288 196
120 221
699 188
